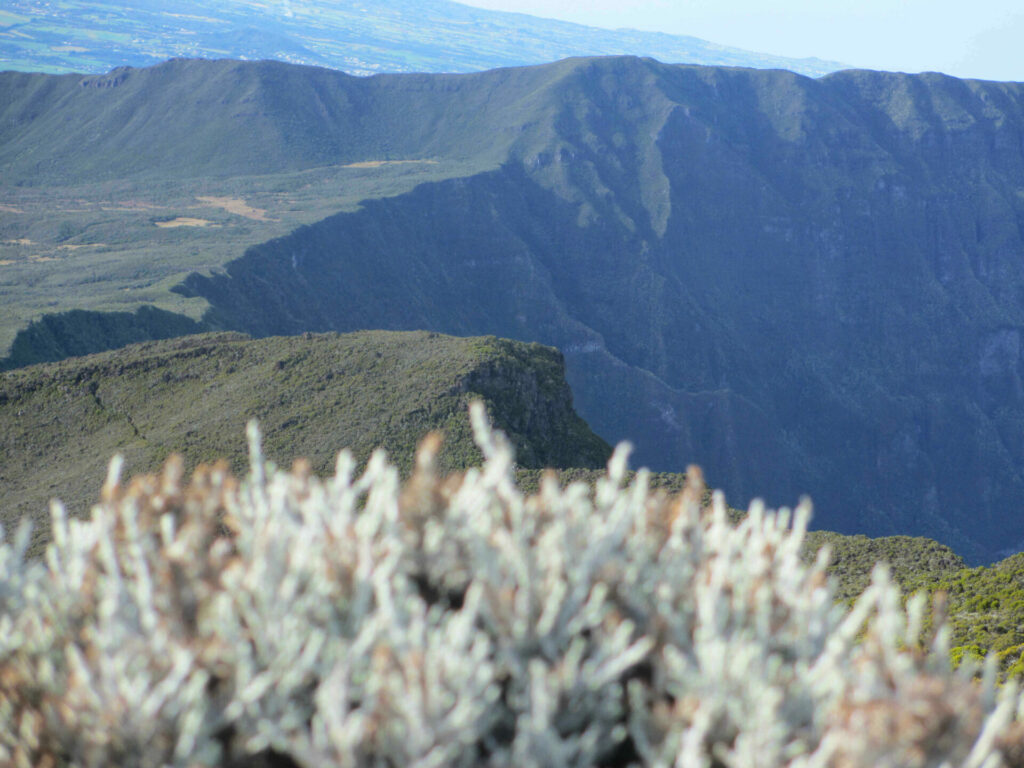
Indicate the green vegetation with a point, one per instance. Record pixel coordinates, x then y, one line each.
313 394
108 224
986 611
913 560
984 606
100 247
98 217
60 423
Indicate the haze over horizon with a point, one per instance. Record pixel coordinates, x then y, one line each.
981 41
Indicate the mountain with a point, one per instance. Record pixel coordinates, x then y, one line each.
354 37
313 395
806 286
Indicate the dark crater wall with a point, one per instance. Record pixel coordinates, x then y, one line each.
805 286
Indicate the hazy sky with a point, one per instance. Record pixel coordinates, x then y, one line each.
967 38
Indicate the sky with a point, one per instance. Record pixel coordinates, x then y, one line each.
965 38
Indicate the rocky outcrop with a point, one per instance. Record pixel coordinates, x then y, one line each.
532 404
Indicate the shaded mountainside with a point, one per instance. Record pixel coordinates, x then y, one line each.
349 35
805 286
79 332
60 423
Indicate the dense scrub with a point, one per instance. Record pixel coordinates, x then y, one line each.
913 561
986 612
984 606
357 621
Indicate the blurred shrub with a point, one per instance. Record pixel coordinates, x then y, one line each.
284 620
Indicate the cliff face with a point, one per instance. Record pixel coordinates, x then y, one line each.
806 286
494 253
313 395
529 398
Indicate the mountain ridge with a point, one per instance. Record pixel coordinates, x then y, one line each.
313 395
806 286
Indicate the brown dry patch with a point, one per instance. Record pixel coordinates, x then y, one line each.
80 245
237 206
19 241
379 163
10 209
184 221
128 205
43 258
6 262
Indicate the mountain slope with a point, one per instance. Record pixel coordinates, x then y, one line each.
386 36
314 394
986 611
60 423
806 286
914 562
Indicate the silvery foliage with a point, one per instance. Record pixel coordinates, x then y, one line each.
359 622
